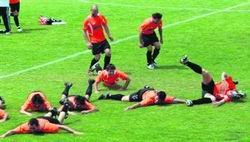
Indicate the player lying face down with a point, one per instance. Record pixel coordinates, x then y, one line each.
3 114
36 102
145 97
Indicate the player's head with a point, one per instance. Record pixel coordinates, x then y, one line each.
79 100
111 69
37 100
156 17
34 125
94 10
1 102
161 95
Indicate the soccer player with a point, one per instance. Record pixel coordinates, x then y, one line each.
109 77
77 102
14 9
3 114
216 93
94 35
45 124
4 12
36 101
145 97
148 38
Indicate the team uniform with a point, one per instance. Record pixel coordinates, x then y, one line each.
28 105
85 105
4 12
45 126
148 34
94 28
110 80
14 5
2 114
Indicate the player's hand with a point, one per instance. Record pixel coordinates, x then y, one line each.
1 137
78 133
161 41
111 38
89 45
128 108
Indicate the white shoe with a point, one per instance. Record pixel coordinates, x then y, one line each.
19 29
155 64
151 67
189 102
184 60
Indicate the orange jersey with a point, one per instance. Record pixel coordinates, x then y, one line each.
149 98
44 125
28 105
94 27
86 105
2 114
110 80
14 1
148 26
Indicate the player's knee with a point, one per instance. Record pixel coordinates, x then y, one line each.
97 57
157 45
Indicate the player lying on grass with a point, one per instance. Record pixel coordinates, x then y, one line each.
216 93
3 114
36 102
44 124
145 97
110 76
77 102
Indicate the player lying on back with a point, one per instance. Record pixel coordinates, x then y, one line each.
145 97
3 114
216 93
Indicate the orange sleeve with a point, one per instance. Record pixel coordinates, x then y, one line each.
27 105
50 128
122 75
89 105
103 20
99 78
231 84
147 102
2 113
22 129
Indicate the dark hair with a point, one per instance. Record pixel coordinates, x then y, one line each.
157 15
1 99
161 95
37 99
33 122
110 67
79 99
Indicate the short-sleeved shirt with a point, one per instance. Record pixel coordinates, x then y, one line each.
110 80
14 1
2 114
4 3
45 127
28 105
85 105
149 98
94 27
148 26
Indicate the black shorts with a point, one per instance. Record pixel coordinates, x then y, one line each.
14 7
3 11
137 96
207 88
100 47
149 39
51 120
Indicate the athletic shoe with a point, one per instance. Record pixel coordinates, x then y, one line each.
151 66
98 68
155 64
189 102
104 96
184 60
5 32
91 81
54 112
19 29
68 84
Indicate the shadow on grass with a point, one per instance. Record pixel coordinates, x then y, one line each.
33 29
172 67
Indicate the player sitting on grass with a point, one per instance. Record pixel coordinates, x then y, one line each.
216 93
3 114
77 102
109 77
145 97
44 124
36 101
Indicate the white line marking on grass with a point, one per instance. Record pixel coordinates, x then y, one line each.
118 41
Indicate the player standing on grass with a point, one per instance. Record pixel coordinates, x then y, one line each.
4 12
14 8
148 38
94 35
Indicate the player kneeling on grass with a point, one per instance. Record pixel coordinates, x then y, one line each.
146 97
36 101
44 124
109 77
77 102
3 114
216 93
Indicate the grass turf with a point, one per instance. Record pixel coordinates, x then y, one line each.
218 42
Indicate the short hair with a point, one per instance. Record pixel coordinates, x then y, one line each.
33 122
79 99
161 95
110 67
157 15
37 99
2 100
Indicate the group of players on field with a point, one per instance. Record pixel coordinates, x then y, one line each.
215 93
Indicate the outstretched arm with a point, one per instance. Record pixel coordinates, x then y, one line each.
126 84
9 133
133 106
70 130
25 112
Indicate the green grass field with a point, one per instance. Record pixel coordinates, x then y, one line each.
213 33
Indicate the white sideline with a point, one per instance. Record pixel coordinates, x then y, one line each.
118 41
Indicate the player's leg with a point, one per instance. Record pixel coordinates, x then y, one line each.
89 89
107 58
15 14
65 92
111 97
157 46
149 57
5 17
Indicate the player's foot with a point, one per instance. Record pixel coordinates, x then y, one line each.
189 102
54 112
19 29
91 81
151 66
5 32
184 60
104 96
98 68
155 64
